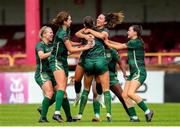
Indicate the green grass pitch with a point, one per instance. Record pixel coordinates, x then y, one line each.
167 114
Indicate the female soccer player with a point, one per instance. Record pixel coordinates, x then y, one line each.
95 62
113 58
58 59
43 72
44 76
79 72
137 75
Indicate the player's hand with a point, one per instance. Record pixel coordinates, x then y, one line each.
88 37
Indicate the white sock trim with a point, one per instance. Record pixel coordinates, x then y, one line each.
147 111
134 117
97 115
57 112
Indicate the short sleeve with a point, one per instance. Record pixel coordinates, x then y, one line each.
39 47
67 35
132 44
64 36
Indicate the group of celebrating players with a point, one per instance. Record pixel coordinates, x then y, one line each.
97 63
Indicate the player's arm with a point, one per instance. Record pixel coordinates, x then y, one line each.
102 35
115 45
80 34
71 49
75 43
43 55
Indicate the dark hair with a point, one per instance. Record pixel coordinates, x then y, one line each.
88 22
60 18
113 19
138 29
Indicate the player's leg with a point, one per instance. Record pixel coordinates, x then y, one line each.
99 92
96 104
101 68
79 72
84 96
67 109
135 84
117 90
48 93
129 103
104 79
61 81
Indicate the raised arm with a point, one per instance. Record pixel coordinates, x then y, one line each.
80 34
101 35
75 43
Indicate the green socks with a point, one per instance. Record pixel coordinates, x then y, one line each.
96 107
66 107
143 106
53 99
84 98
59 99
107 100
132 112
45 106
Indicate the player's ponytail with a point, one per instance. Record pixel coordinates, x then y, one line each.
113 19
60 18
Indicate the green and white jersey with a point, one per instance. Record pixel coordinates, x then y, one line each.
112 57
98 49
42 65
83 53
60 51
135 55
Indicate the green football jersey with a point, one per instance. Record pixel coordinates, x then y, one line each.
112 57
98 49
60 51
135 55
42 65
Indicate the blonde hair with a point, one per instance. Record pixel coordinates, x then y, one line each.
41 31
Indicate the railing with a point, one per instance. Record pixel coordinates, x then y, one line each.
159 55
7 56
12 58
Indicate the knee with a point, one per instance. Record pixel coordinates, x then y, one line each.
105 87
130 94
124 95
60 87
49 93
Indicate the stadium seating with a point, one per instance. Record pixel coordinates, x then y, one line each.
158 37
